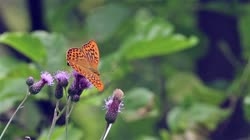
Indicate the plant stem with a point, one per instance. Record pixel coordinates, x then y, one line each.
67 115
55 118
106 132
244 78
12 117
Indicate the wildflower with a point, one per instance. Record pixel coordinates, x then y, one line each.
75 98
79 84
30 81
59 91
62 79
46 78
84 83
113 105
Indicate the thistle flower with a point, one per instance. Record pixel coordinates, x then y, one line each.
46 78
30 81
84 83
59 91
75 98
79 84
62 79
113 105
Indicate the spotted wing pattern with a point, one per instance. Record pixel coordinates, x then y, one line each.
91 52
85 61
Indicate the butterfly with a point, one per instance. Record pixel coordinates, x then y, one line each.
85 61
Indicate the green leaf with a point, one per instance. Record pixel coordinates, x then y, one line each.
199 114
187 88
26 44
138 97
100 23
137 47
111 68
136 101
9 95
12 68
154 37
55 45
6 65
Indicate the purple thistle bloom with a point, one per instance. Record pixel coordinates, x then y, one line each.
62 78
84 83
75 73
113 105
79 84
46 78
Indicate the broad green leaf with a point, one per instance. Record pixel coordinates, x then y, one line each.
154 37
102 23
9 95
113 67
139 103
138 47
184 87
26 44
199 114
12 68
55 46
6 65
138 97
58 16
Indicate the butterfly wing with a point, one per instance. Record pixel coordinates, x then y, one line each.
91 52
93 78
77 60
76 57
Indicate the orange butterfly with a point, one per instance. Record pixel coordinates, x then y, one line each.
85 61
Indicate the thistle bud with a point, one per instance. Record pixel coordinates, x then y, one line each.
30 81
59 91
75 98
46 78
113 105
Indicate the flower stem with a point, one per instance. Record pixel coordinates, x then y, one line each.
55 118
12 117
106 132
67 115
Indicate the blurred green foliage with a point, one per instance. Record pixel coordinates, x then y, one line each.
148 49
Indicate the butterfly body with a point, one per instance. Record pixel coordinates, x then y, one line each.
85 61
